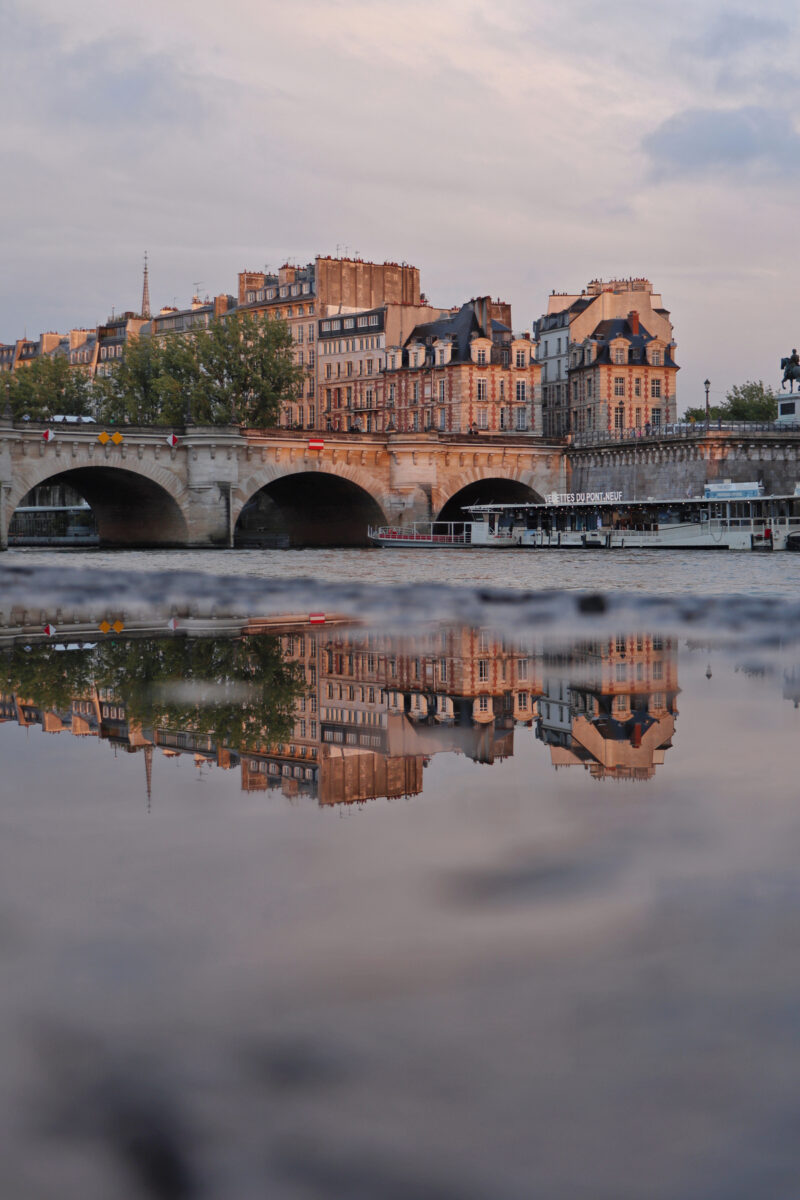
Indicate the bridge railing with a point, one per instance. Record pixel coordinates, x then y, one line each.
681 430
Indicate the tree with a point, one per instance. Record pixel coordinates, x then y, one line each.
238 370
749 401
247 371
49 386
150 385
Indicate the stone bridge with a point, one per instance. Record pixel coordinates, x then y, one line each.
673 467
216 484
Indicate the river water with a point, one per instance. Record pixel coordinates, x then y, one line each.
506 906
654 572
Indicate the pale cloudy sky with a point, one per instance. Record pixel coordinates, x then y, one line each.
503 146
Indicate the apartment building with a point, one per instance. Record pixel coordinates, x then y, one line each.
465 372
352 359
607 359
322 289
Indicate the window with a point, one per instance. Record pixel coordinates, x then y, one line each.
621 703
522 391
588 387
522 668
441 389
658 669
521 357
390 396
481 357
442 419
415 392
619 355
483 703
655 358
502 390
483 418
638 421
655 417
521 417
655 388
483 669
369 366
619 417
637 386
481 389
619 385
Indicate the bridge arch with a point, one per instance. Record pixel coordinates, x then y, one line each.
310 508
487 489
130 507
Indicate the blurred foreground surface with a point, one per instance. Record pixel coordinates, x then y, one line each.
467 898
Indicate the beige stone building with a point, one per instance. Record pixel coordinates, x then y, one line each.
351 347
324 288
607 359
464 372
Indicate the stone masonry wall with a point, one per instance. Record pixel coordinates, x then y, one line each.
678 468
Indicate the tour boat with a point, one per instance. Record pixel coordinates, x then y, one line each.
729 516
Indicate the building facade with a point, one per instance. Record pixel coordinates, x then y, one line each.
465 372
581 339
305 297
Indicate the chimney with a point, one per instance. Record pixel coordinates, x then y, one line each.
633 321
220 305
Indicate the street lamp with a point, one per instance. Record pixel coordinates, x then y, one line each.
707 385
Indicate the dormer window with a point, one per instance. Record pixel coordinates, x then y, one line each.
481 357
521 358
619 355
655 357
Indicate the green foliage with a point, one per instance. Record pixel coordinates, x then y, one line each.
47 387
239 691
238 370
749 401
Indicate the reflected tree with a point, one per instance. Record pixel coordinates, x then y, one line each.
240 691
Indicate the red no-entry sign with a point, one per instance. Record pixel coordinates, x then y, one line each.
316 444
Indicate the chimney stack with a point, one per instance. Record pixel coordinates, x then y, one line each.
633 320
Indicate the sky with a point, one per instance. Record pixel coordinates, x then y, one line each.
508 147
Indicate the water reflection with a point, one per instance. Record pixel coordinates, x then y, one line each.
343 715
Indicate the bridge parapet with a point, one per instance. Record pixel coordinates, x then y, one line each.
679 466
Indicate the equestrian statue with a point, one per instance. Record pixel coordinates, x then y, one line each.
791 371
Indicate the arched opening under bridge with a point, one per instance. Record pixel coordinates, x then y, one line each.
308 508
125 510
488 491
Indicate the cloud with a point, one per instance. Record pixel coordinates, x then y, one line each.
699 141
731 33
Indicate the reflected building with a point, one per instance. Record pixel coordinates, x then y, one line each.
609 706
369 711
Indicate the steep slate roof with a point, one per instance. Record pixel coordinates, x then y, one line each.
460 328
619 327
